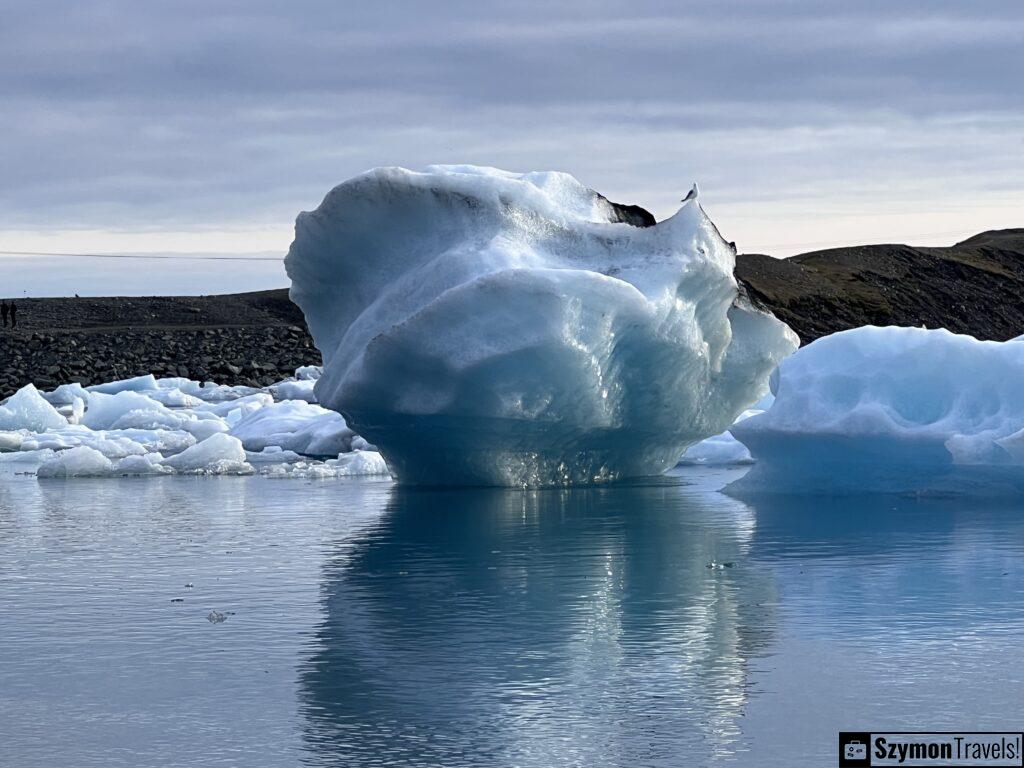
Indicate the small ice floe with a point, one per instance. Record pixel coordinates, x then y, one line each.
174 426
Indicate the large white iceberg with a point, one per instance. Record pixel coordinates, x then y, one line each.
893 410
485 327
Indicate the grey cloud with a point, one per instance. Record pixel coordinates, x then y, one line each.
128 114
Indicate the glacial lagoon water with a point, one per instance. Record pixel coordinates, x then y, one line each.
355 623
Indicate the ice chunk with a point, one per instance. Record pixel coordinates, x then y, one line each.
724 449
157 440
202 425
272 455
27 409
128 409
717 450
297 426
76 462
136 384
353 464
11 441
894 410
308 372
233 411
26 456
301 389
206 391
66 394
77 410
113 445
174 398
359 463
218 454
486 327
142 465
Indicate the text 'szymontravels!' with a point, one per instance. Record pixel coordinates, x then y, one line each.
952 749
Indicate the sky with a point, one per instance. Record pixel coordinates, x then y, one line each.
204 127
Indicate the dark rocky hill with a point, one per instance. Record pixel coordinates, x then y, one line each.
974 287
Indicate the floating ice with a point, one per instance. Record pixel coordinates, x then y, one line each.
309 372
724 449
157 440
12 441
76 462
218 454
895 410
719 450
206 391
354 464
272 454
301 389
484 327
130 430
26 456
27 409
142 465
136 384
128 409
113 445
233 411
297 426
66 394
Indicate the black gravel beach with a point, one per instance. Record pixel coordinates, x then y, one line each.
974 287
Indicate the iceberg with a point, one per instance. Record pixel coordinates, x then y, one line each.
77 462
27 409
899 410
482 327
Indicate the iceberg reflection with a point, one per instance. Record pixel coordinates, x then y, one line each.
539 628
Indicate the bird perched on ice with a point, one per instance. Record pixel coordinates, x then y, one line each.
692 194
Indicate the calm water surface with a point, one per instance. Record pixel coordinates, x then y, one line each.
367 625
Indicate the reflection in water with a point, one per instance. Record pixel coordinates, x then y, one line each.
889 565
539 628
373 625
583 627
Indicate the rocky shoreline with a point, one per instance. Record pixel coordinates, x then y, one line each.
249 339
974 287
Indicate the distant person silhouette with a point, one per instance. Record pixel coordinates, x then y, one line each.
3 311
14 315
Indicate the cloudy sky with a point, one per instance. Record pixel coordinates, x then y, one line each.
203 127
